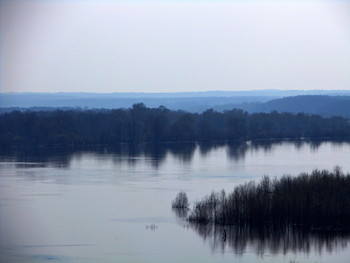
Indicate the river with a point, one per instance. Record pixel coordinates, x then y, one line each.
114 204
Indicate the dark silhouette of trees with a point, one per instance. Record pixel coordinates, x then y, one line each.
157 125
183 129
181 201
320 199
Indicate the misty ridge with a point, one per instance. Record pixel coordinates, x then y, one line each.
140 124
325 103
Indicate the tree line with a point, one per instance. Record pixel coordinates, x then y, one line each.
320 199
140 124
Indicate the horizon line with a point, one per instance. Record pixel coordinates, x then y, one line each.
174 92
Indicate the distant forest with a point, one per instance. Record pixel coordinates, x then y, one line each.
140 124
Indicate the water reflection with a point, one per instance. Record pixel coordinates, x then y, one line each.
270 240
180 213
38 157
206 147
236 151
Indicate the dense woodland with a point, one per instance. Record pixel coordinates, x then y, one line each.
140 124
320 199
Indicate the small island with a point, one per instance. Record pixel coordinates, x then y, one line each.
316 200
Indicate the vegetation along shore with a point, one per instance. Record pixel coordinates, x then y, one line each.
140 124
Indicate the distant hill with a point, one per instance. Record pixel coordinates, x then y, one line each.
325 103
326 106
191 102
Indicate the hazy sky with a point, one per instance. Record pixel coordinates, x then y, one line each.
155 46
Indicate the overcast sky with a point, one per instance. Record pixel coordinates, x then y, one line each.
169 46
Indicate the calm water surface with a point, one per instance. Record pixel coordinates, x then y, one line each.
114 205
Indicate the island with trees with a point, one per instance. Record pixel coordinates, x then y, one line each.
317 200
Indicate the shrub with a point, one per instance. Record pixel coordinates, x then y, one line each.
181 201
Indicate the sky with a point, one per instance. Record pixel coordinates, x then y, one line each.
173 46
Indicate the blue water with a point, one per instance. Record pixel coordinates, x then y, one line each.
114 205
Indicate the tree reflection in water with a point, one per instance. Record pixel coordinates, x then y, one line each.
271 240
133 153
181 213
262 240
